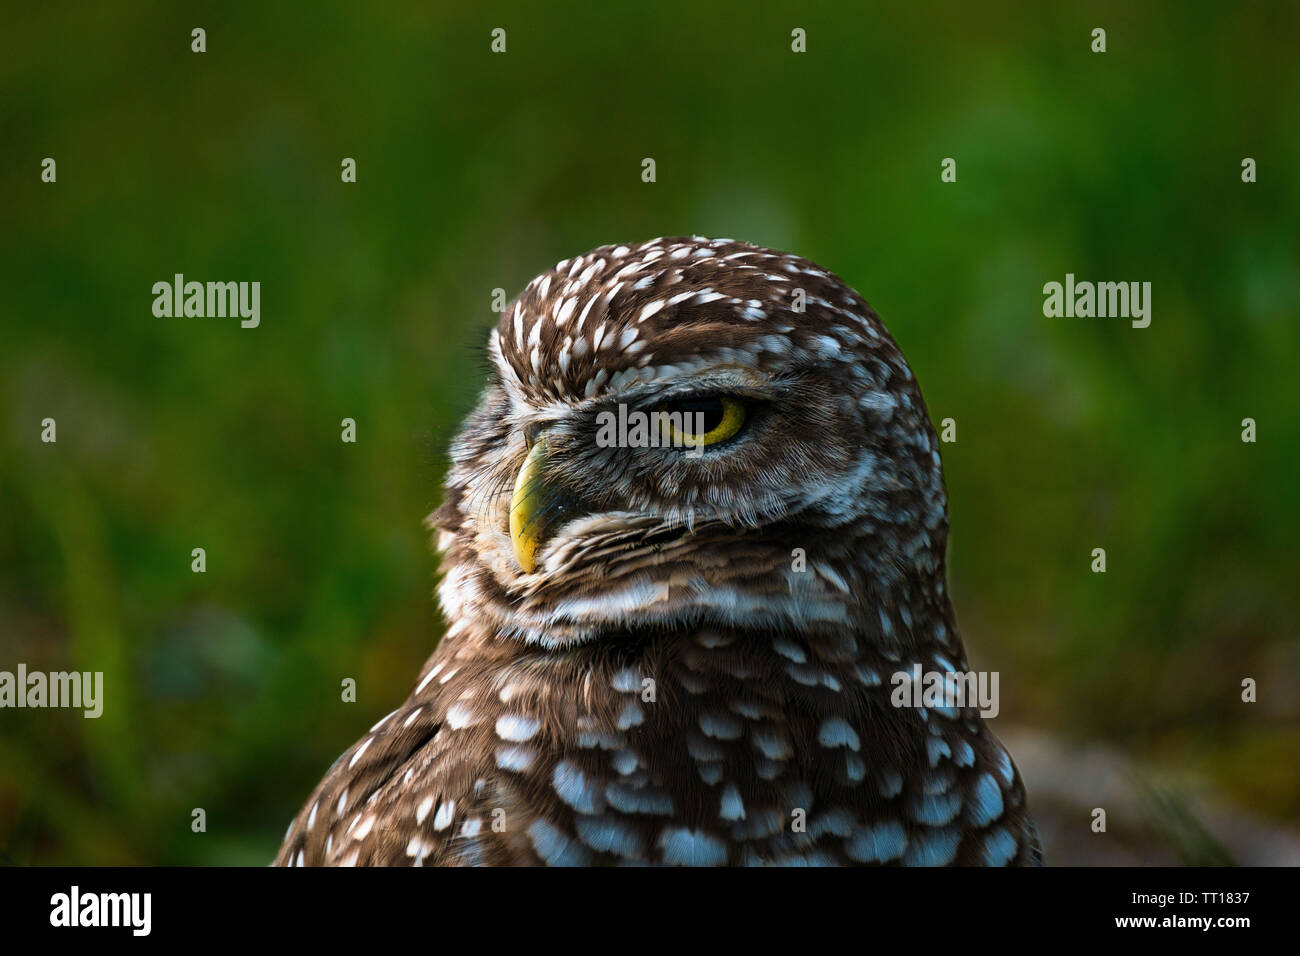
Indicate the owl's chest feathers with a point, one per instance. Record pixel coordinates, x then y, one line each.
747 747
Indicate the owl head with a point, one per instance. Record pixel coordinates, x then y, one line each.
693 431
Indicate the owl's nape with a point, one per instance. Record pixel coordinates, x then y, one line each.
675 640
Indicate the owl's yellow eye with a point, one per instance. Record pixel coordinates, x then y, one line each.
701 421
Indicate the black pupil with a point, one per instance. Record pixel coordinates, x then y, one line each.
711 408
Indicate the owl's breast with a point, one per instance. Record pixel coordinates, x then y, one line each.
716 748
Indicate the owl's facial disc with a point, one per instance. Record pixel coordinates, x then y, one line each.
586 460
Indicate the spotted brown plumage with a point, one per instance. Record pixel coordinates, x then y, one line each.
698 668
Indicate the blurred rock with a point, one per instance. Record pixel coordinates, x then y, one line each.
1152 819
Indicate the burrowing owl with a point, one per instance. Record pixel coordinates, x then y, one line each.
684 651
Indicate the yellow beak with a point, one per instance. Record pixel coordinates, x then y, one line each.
529 499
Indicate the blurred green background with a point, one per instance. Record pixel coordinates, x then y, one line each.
477 171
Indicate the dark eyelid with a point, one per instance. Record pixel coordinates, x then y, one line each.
739 396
